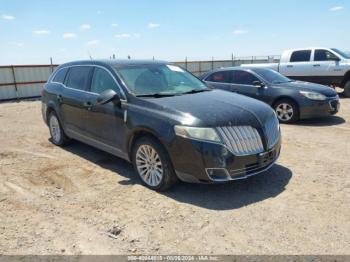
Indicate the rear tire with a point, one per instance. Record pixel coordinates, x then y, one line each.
58 137
152 163
287 111
346 91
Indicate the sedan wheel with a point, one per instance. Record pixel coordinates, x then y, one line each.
284 112
287 111
149 165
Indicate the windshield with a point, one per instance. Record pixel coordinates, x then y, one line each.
271 76
341 53
159 79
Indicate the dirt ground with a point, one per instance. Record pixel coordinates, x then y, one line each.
71 200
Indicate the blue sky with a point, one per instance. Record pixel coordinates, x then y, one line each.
32 31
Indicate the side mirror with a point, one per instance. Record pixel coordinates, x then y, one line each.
336 59
108 96
258 84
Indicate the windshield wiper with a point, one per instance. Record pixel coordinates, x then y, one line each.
156 95
193 91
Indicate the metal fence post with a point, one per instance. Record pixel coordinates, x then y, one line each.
212 63
233 62
186 62
14 80
200 67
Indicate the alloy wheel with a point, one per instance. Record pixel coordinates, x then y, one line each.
55 129
149 165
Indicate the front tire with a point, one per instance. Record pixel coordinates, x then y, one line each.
152 163
58 137
346 91
287 111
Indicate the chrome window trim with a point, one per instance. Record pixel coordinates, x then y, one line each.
89 65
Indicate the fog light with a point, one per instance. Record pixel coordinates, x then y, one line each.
218 174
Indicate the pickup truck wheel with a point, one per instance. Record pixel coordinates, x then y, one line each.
153 165
287 111
58 137
346 92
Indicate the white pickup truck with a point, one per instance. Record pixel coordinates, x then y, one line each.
327 66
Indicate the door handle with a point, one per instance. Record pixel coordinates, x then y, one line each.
59 98
289 66
317 65
88 105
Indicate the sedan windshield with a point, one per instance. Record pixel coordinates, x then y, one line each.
159 80
271 76
346 56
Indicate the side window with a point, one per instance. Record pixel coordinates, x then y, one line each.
60 76
102 81
220 77
324 55
78 77
243 78
301 56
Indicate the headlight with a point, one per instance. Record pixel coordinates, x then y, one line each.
201 133
313 95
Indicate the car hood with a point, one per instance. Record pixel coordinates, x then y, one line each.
306 86
211 109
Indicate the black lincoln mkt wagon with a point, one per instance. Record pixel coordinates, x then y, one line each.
161 118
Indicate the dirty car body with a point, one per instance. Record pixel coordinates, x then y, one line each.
209 135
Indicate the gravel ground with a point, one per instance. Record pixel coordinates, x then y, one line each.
79 200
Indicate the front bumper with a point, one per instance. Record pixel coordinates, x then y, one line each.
312 109
205 162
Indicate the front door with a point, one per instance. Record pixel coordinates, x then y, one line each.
244 83
326 68
105 123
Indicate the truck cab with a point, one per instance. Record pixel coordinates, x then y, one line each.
327 66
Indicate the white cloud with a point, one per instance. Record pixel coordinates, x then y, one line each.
41 32
122 36
153 25
240 32
69 35
99 12
16 44
92 43
114 25
8 17
85 27
336 8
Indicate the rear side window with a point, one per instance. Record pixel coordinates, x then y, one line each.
243 78
78 77
220 77
60 76
324 55
102 81
301 56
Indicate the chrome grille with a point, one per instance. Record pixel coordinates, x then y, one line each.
272 131
241 140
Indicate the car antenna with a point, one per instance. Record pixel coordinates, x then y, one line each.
90 55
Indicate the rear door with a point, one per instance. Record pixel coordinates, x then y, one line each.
73 98
220 80
105 123
299 66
